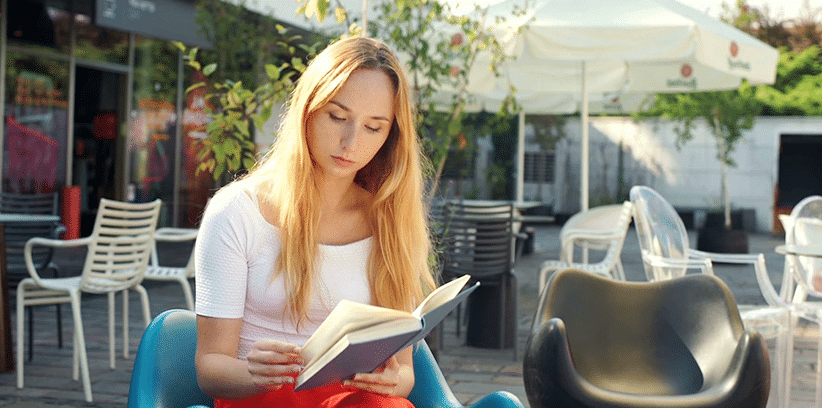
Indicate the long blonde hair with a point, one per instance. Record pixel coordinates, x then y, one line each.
398 264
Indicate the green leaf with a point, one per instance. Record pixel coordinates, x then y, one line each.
180 46
339 12
194 64
272 71
209 69
249 163
219 169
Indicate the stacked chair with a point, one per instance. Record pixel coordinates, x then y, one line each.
601 228
16 235
481 241
118 252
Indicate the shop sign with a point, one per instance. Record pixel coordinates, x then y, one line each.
172 20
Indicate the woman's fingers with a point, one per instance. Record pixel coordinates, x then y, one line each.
273 364
384 380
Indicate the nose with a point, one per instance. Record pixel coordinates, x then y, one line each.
349 137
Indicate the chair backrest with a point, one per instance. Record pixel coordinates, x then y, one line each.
806 229
652 338
615 218
16 234
122 240
164 374
660 231
479 240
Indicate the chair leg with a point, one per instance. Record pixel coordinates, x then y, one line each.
111 351
31 332
125 323
20 327
59 327
187 292
516 314
80 344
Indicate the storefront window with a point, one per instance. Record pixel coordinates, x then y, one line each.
195 189
36 122
34 25
100 44
152 137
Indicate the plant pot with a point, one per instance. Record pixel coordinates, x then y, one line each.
721 240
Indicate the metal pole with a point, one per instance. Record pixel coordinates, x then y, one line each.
520 157
129 120
178 145
583 193
3 24
70 112
365 17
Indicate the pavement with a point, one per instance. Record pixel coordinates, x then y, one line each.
471 371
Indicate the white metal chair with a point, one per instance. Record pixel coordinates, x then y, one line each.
118 252
666 254
165 273
802 227
602 228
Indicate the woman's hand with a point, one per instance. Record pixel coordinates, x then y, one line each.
273 364
386 380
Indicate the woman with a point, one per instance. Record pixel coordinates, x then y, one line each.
334 212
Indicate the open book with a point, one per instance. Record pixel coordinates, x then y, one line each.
359 338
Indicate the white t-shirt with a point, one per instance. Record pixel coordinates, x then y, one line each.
234 260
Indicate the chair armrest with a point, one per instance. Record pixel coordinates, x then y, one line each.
54 243
168 234
703 264
760 269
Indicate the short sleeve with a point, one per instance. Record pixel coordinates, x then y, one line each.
221 254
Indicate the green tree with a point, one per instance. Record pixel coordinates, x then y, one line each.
727 114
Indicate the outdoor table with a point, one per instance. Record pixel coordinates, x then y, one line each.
800 250
6 346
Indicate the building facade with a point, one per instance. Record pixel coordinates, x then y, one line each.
94 97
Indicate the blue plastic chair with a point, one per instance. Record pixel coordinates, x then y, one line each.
164 374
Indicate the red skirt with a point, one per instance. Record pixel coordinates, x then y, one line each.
331 396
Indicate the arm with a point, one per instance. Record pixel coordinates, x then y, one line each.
271 364
395 378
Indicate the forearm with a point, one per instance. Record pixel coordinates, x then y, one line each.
225 377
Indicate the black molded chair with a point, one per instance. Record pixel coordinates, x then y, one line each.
480 240
17 234
597 342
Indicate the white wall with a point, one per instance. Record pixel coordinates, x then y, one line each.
687 177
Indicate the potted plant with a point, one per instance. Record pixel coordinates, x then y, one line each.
727 114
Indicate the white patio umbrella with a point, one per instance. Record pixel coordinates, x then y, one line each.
631 47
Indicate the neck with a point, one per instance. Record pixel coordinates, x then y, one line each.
336 194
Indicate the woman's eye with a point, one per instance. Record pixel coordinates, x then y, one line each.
375 130
335 117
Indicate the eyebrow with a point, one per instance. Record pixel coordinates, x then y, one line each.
347 109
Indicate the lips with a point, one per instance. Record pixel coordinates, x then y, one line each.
342 161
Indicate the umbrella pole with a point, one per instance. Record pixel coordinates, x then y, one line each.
521 158
583 193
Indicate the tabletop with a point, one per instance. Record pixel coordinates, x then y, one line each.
801 250
8 217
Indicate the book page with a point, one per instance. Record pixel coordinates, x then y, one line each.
347 316
442 295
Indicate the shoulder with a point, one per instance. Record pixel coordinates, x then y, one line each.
232 202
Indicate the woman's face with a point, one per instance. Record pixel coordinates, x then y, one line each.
346 133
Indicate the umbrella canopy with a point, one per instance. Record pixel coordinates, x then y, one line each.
623 47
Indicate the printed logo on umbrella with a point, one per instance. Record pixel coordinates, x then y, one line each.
735 63
686 71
